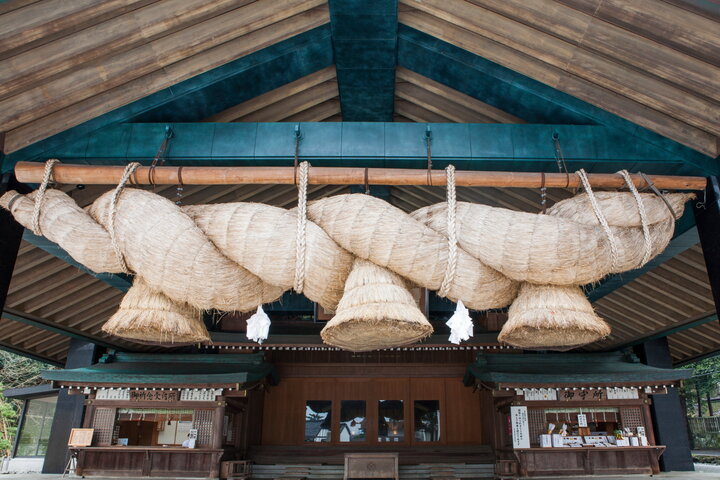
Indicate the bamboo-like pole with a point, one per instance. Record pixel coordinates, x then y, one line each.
32 172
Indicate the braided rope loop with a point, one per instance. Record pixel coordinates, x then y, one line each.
643 216
129 170
300 235
600 217
40 195
452 233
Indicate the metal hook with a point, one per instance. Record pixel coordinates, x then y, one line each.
704 200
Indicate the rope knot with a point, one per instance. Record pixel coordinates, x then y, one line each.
129 170
40 195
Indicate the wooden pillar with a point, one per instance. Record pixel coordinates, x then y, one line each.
669 421
707 219
68 410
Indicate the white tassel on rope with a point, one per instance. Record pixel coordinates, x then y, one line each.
258 326
461 325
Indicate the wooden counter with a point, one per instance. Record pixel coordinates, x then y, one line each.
589 460
137 461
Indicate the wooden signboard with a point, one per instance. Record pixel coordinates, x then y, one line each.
81 437
153 396
583 395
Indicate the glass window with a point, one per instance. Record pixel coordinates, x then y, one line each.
352 421
427 420
35 431
318 420
391 421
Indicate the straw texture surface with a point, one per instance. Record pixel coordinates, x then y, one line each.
376 311
147 316
551 317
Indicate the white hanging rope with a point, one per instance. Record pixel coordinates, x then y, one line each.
40 195
600 217
643 216
129 170
451 267
301 227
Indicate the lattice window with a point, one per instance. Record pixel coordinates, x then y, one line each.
631 418
103 423
536 424
202 421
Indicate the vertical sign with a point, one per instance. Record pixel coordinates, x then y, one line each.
520 429
582 420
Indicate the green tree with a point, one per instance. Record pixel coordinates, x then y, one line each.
702 386
15 372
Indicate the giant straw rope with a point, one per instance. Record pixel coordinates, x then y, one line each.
236 256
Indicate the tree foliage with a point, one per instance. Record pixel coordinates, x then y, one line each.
15 372
704 383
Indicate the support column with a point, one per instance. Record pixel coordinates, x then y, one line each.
707 219
669 419
68 410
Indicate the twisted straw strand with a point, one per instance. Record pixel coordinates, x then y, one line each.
40 195
643 216
129 170
301 228
601 218
452 233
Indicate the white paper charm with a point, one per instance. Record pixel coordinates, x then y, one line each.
461 326
258 326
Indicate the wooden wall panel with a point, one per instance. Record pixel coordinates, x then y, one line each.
463 414
460 412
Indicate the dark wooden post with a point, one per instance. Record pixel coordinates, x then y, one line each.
10 237
707 219
669 420
68 410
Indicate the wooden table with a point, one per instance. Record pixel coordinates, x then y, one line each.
589 460
371 465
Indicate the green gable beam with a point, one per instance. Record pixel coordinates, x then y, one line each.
519 95
686 236
669 331
401 145
364 34
208 93
120 281
49 326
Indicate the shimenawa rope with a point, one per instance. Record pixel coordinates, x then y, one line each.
40 195
129 170
452 233
600 217
301 228
642 213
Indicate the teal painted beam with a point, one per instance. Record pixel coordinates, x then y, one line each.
54 328
522 96
117 280
675 329
686 236
30 355
396 145
364 34
206 94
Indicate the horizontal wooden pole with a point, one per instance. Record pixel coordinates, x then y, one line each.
31 172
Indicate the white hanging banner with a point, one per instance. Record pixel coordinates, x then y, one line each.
520 428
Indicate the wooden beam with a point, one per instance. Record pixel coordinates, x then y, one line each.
31 172
696 322
53 327
552 75
523 147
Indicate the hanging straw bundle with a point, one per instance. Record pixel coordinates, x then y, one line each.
262 239
148 316
376 311
374 230
551 317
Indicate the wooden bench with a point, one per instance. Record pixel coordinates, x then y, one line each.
235 470
434 471
371 465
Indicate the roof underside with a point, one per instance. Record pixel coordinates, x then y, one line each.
649 69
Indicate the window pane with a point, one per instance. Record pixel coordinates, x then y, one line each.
35 431
318 419
352 421
427 420
391 421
